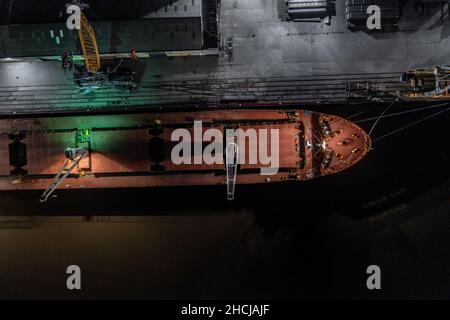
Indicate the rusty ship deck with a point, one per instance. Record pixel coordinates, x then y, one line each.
134 150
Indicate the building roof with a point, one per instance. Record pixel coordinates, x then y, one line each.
52 11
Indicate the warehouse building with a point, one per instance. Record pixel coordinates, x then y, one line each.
147 26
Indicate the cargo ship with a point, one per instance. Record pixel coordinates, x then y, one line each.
214 147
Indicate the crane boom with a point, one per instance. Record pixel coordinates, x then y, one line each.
89 45
73 158
231 166
92 75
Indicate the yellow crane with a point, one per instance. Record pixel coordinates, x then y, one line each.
432 83
89 45
93 75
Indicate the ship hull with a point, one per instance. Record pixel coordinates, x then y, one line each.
137 150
